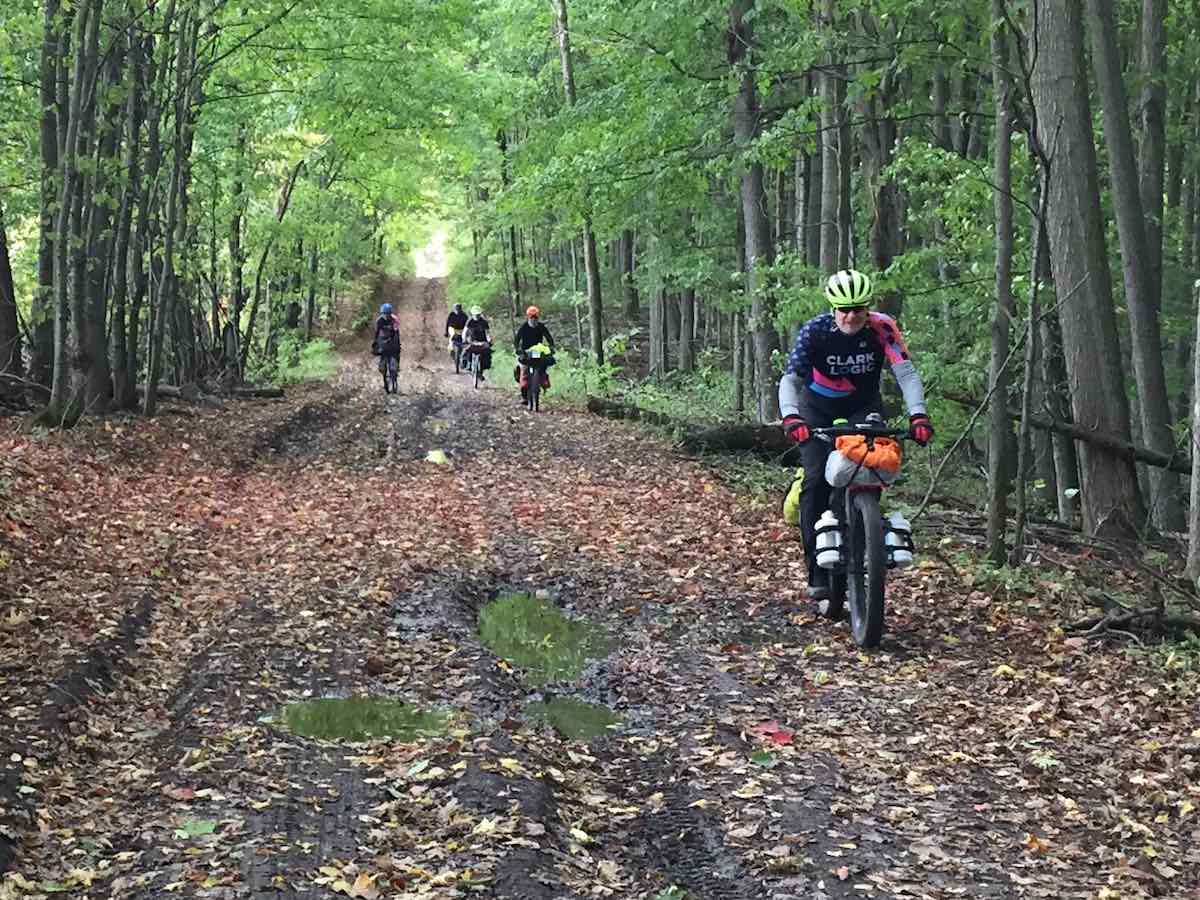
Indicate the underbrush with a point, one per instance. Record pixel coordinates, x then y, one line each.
297 362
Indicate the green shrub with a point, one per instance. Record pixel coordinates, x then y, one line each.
296 361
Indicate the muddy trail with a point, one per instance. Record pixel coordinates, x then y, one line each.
220 567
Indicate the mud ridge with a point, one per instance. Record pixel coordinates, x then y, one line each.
93 674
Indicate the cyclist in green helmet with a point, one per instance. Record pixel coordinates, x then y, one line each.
833 373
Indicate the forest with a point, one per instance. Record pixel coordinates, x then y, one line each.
598 671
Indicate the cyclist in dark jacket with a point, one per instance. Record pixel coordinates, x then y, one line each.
532 332
833 373
456 321
477 330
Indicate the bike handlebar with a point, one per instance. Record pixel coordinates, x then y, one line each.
866 429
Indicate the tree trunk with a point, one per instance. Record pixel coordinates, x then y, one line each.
687 328
1004 310
590 262
66 397
169 291
759 247
1108 483
124 395
739 372
11 362
629 288
53 54
281 208
310 306
658 340
1193 557
830 260
1140 236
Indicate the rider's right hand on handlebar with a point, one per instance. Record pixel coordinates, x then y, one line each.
796 429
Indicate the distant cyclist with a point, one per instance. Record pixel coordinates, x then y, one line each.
386 343
455 323
477 331
531 333
833 373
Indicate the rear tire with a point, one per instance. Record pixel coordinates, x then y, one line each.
457 354
866 568
394 373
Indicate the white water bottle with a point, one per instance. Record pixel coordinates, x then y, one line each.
829 540
899 541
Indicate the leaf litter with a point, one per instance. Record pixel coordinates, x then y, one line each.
979 752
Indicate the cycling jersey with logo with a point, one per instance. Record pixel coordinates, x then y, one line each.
836 365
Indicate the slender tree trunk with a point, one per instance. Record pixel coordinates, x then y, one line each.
739 371
1108 483
10 328
124 379
590 262
281 208
1193 557
1024 441
65 403
237 254
830 260
1140 235
1004 310
629 287
759 246
41 361
169 283
310 306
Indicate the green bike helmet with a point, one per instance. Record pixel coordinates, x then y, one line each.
846 288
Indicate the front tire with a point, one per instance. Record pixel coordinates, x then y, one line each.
476 368
535 388
866 568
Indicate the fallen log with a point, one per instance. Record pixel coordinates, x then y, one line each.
613 410
766 439
257 393
191 392
1170 462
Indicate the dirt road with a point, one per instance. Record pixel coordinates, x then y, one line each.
288 552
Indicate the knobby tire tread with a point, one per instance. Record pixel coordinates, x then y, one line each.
866 568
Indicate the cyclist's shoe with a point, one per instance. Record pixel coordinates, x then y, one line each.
826 609
818 584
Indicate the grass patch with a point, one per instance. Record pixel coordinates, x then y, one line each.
314 361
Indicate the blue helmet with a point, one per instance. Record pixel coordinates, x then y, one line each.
385 309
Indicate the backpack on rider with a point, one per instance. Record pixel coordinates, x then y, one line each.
387 335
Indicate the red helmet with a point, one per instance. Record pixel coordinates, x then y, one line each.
533 311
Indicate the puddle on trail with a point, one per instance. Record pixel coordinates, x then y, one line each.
359 719
575 719
537 637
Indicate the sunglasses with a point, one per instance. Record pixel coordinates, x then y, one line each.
852 309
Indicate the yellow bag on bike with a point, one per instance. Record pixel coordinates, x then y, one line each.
791 503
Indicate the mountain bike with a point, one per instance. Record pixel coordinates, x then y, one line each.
474 353
456 349
870 545
535 361
389 366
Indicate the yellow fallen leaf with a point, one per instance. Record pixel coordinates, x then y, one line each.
511 765
364 886
438 457
1005 671
486 826
580 835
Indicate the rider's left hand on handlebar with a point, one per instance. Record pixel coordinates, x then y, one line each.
920 428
